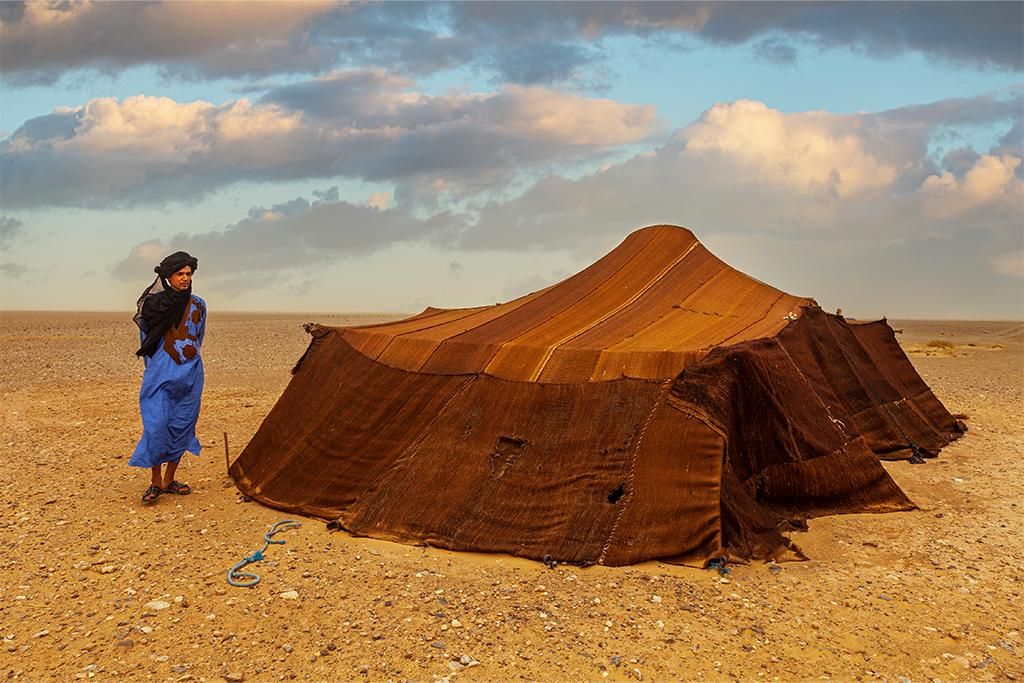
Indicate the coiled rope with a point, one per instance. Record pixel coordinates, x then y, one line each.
247 580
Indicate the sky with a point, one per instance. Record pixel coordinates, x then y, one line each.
343 157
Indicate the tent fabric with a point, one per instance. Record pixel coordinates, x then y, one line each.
657 405
646 310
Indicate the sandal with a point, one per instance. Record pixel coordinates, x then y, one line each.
151 494
178 488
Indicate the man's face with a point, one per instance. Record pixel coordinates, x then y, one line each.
182 279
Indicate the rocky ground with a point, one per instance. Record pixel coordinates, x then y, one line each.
94 585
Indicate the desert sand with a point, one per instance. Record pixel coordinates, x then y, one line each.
96 585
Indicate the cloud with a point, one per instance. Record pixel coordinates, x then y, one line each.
379 200
39 41
746 167
288 237
981 35
153 149
775 50
741 168
523 43
1010 263
9 228
806 151
13 270
990 182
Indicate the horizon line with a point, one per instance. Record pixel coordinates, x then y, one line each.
400 314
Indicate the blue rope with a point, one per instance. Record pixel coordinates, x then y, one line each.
247 580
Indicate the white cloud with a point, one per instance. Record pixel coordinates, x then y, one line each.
991 181
806 151
746 167
923 219
379 200
566 119
151 149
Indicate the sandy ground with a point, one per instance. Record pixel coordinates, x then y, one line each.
94 585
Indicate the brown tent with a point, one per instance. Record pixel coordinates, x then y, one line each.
659 404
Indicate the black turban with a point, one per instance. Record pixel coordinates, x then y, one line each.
161 306
175 262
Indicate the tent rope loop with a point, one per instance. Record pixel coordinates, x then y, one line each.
248 580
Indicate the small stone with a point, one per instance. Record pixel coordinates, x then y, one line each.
455 666
287 648
42 634
234 677
456 623
157 605
597 601
466 660
146 629
656 599
289 595
109 569
363 668
437 644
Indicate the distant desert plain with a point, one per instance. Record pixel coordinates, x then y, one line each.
94 585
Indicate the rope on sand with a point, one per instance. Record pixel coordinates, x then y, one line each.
247 580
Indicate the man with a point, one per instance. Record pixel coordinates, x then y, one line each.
172 322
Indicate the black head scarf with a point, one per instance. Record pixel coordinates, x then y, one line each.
161 306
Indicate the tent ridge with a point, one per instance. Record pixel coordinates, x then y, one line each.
618 309
512 342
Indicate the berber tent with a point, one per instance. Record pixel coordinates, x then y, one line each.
657 405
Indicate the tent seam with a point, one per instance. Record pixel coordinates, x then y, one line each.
562 310
760 320
610 314
835 423
632 471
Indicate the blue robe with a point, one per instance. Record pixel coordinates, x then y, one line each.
172 386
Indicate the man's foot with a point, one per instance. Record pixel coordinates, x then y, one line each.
151 494
178 488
